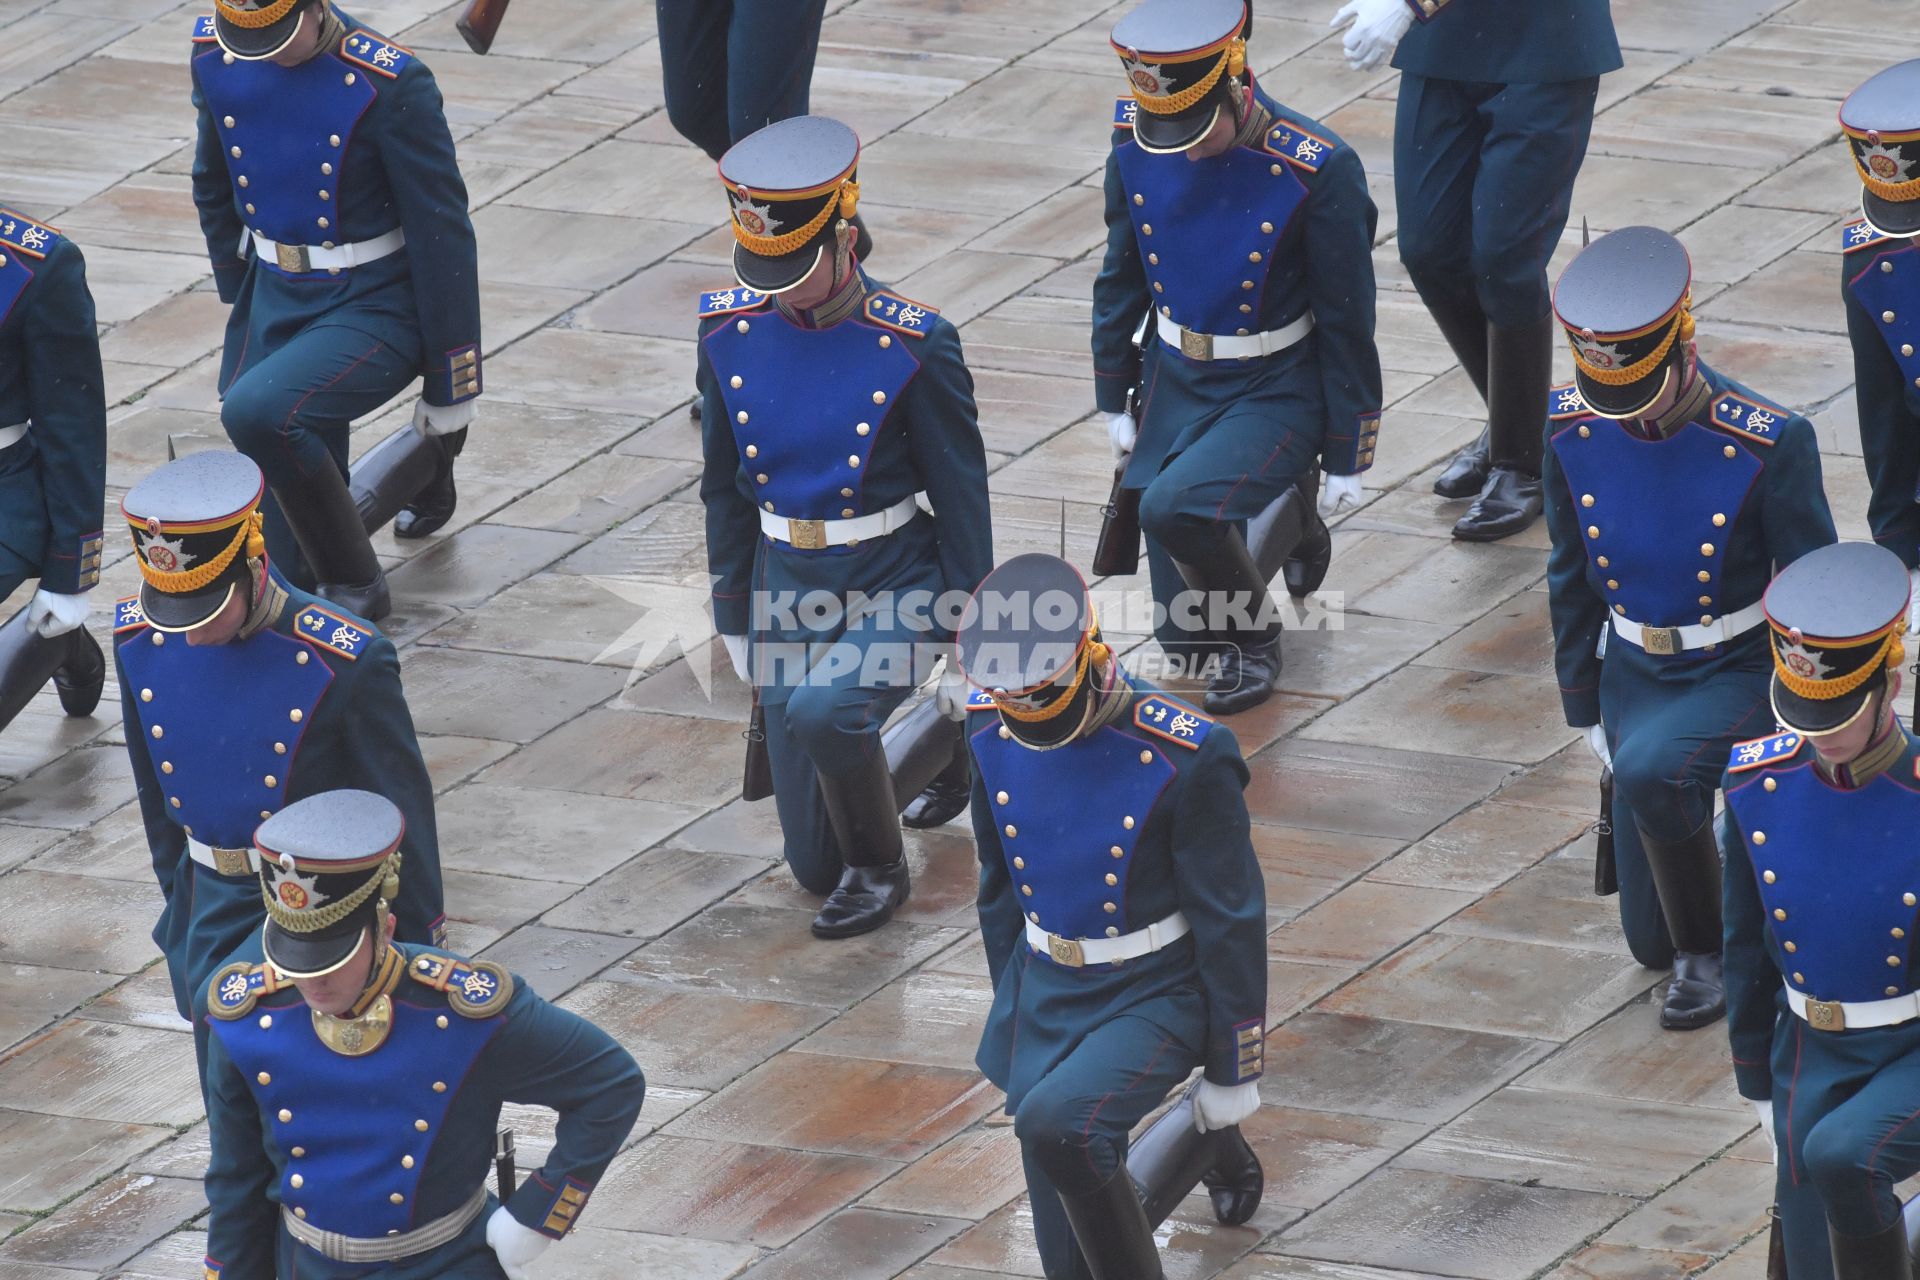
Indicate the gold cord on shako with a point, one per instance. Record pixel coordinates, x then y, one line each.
1093 653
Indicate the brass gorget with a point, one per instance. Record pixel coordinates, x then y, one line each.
364 1027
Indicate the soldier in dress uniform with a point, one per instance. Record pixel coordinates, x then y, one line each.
834 407
53 467
354 1084
240 694
336 221
1822 876
1881 286
1124 917
1495 107
1671 493
1243 233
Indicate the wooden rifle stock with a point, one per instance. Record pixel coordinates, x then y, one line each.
481 23
1117 554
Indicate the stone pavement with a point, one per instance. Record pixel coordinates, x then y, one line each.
1466 1076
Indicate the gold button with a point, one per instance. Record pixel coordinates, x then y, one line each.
324 195
846 511
234 152
1718 519
1706 548
1601 561
397 1198
1254 256
1019 864
228 121
879 397
1109 907
1887 316
1706 599
1027 889
265 814
326 169
323 223
742 326
1779 913
300 659
1034 916
406 1162
741 417
1791 946
296 715
886 340
1759 837
846 493
1613 584
1146 757
1704 576
1245 309
297 1212
1117 852
1893 991
146 695
439 1086
1146 228
999 797
1706 619
1769 784
1138 199
251 209
1158 287
286 1116
1586 499
299 1153
1593 531
1908 899
1012 831
1728 450
1153 259
853 460
1246 284
734 382
1584 433
862 428
333 139
1004 732
175 801
441 1022
1127 822
1893 962
272 781
421 1125
264 1078
753 451
1620 609
1886 268
296 1182
1266 228
158 732
1899 933
1112 932
279 748
1274 169
1906 348
760 477
166 766
1768 876
351 77
1112 878
266 1020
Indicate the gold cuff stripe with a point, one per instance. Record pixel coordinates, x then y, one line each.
254 19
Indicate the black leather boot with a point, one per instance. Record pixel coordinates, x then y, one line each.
1251 665
1910 1221
84 675
943 799
1464 325
1519 371
1686 875
866 822
389 475
27 662
324 519
1172 1157
433 505
1880 1256
1236 1181
1111 1228
1307 569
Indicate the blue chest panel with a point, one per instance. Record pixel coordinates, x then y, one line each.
356 1119
1207 230
811 410
1839 874
282 160
1070 821
1889 291
1648 509
223 725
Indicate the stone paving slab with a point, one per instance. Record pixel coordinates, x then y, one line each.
1454 1014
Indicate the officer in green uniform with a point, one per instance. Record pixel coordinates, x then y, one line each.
1124 917
354 1085
336 221
1671 493
1494 110
53 467
846 497
1242 233
1823 1008
241 694
1881 288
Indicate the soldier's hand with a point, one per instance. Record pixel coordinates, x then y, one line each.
1221 1106
950 695
1339 493
442 419
1763 1107
51 614
1121 433
737 653
1597 743
515 1245
1377 26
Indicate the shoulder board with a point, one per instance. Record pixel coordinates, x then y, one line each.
978 700
233 991
1125 108
725 301
1748 417
21 233
475 988
372 51
1565 402
1763 751
902 315
203 32
1858 235
328 630
1305 149
128 615
1165 717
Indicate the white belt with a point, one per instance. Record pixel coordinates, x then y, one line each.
226 862
1209 346
1075 952
12 435
299 258
1832 1015
344 1248
811 535
1699 636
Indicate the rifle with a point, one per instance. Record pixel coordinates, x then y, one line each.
756 780
481 23
1117 554
1605 881
503 1164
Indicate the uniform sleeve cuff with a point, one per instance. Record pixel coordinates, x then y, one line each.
1580 706
1754 1080
1423 10
550 1210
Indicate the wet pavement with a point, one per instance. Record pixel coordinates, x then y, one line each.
1465 1075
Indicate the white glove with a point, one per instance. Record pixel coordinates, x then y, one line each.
1221 1106
1121 433
442 419
1339 493
737 653
1377 28
1763 1107
515 1245
51 614
1597 743
950 695
1913 603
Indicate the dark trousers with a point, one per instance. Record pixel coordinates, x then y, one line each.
1073 1125
1483 178
733 66
1670 742
1846 1116
290 414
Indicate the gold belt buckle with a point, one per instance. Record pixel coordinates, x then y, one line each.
231 862
292 257
1066 951
808 535
1197 346
1663 640
1826 1015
